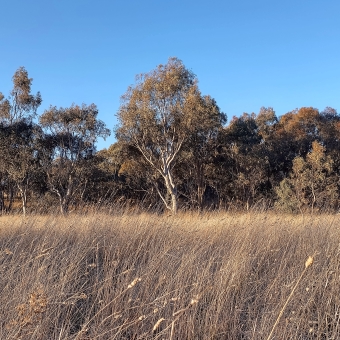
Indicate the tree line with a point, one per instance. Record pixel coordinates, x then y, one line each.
174 150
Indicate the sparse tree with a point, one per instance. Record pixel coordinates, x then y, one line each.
69 149
311 183
18 145
21 104
18 133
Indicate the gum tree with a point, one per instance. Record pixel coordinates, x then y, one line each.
69 149
18 134
158 114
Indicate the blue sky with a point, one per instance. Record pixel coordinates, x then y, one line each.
246 53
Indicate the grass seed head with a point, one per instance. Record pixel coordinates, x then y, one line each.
155 327
193 301
309 262
134 282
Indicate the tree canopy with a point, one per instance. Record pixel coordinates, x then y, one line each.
174 150
162 111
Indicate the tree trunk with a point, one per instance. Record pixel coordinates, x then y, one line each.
62 202
314 197
65 197
63 205
171 188
174 203
2 203
63 208
200 195
10 197
201 186
24 202
23 193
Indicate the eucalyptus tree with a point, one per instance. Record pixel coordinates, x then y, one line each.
19 147
200 152
18 133
158 114
312 183
69 149
21 104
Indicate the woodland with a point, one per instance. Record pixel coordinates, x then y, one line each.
174 150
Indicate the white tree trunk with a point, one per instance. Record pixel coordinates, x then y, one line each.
171 188
23 193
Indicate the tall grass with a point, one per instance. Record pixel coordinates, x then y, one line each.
191 276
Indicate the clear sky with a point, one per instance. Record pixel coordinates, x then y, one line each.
245 53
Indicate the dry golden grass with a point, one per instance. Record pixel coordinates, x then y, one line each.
190 276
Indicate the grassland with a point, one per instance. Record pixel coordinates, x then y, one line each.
190 276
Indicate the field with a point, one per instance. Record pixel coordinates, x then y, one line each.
189 276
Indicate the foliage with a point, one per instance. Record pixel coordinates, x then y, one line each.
174 151
21 104
311 183
71 143
160 113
